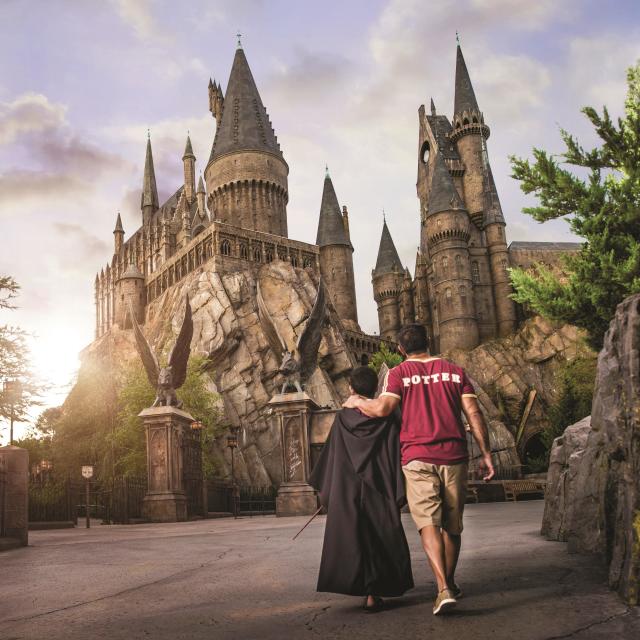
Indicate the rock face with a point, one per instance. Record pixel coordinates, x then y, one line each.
593 492
227 331
505 371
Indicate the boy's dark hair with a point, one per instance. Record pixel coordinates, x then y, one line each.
413 338
364 381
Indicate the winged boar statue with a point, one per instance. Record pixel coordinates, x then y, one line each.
166 379
295 365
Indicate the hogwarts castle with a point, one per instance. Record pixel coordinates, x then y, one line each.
236 219
461 288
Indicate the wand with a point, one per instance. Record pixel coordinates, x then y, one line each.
307 523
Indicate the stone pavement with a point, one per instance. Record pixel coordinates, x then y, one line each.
245 579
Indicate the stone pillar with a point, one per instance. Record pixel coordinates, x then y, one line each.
14 466
165 500
295 496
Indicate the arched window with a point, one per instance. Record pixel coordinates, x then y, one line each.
465 121
244 251
225 248
257 255
306 263
445 264
504 264
462 291
475 273
458 261
294 261
447 297
424 153
269 255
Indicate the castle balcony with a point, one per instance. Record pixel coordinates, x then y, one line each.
363 345
232 249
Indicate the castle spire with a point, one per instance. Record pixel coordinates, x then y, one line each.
443 195
188 149
330 225
245 127
149 189
201 185
465 98
119 228
388 258
433 107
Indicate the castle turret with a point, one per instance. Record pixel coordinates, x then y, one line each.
216 101
201 195
407 310
130 291
149 200
189 164
447 227
247 174
118 236
387 279
336 256
469 133
495 230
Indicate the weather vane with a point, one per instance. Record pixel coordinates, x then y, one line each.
239 41
458 38
326 170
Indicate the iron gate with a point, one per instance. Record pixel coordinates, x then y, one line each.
192 477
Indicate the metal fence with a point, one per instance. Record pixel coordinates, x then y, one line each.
125 499
3 494
250 500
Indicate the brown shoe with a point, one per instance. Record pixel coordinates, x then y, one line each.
444 602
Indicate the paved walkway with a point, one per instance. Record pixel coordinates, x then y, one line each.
245 579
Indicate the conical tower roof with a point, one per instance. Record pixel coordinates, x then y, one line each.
119 228
330 226
245 125
443 195
149 189
465 98
201 188
492 207
188 149
388 258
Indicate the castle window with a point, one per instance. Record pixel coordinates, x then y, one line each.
225 248
294 261
458 261
447 297
503 262
257 255
269 255
499 232
475 273
306 263
474 120
463 295
244 251
465 121
445 264
424 153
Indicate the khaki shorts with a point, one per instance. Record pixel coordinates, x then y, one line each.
436 494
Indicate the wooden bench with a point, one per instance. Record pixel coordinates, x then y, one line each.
472 495
515 488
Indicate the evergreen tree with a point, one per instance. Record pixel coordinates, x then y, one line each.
603 208
384 355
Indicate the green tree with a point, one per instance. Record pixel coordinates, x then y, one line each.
136 393
603 207
15 363
384 355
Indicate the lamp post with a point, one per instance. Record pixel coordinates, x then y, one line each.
197 426
232 444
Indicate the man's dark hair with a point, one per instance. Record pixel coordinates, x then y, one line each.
413 338
364 381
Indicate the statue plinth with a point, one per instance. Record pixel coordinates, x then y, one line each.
295 496
165 500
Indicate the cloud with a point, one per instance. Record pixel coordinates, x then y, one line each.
29 113
85 243
19 187
138 16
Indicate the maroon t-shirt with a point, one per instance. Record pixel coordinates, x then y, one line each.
431 392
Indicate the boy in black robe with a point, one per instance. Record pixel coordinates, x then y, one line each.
361 486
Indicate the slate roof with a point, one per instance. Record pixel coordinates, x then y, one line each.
149 188
188 149
388 258
441 128
465 98
443 195
330 226
548 246
245 123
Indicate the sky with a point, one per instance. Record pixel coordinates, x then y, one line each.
81 82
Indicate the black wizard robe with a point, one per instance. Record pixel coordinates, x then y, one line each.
361 486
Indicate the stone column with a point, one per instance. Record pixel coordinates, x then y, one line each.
14 464
295 496
165 500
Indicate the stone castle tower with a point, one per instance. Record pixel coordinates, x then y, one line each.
461 289
236 217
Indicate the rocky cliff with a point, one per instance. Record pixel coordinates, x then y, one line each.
228 333
593 491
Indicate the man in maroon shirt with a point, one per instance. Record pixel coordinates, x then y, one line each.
433 442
